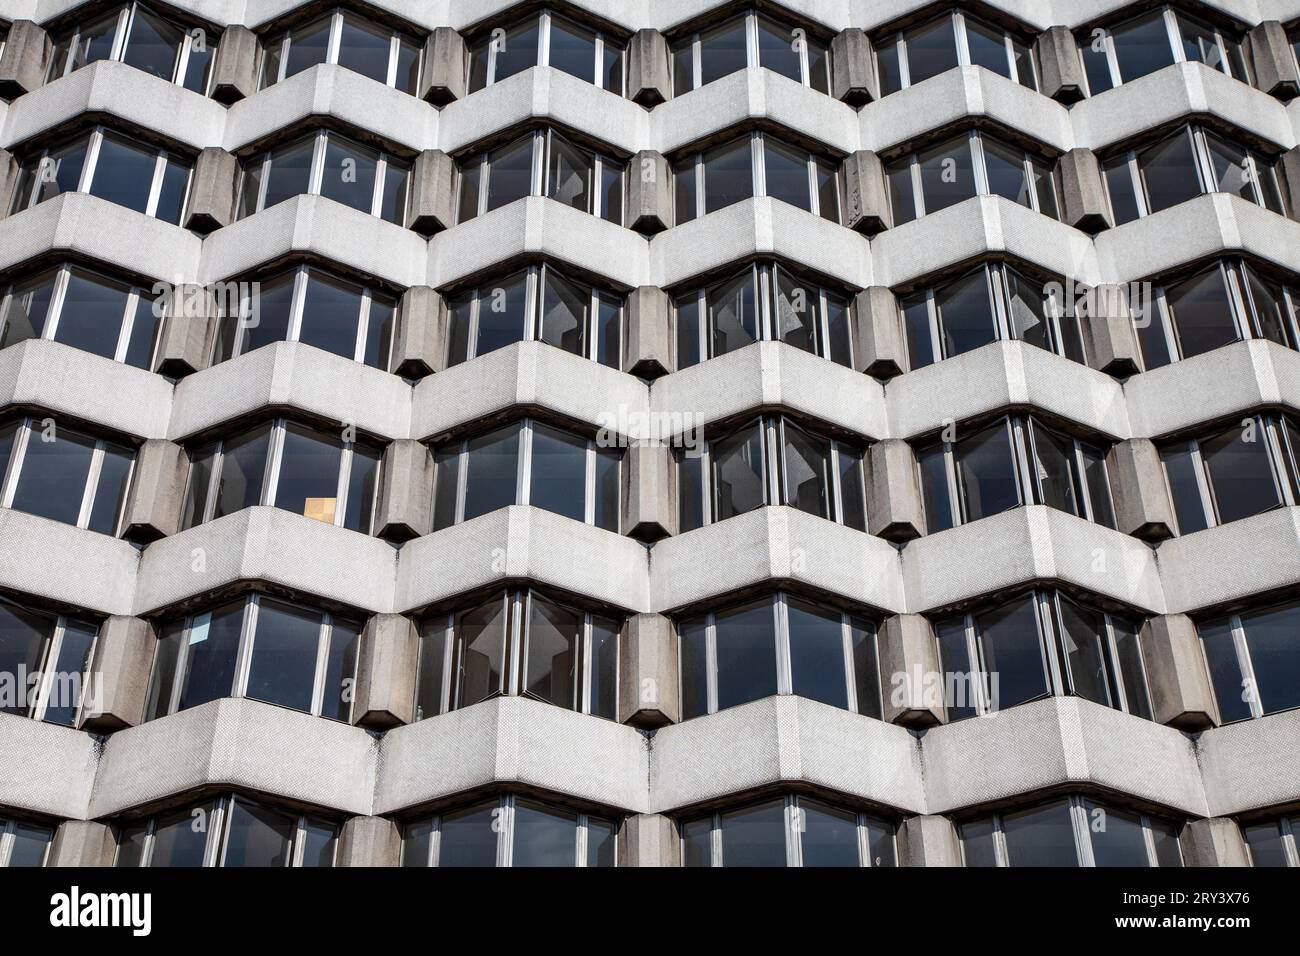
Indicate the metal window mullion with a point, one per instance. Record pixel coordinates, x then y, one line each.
781 630
1165 317
715 841
582 693
1174 35
959 38
247 635
275 453
1082 832
999 293
599 56
1139 185
1199 468
125 19
757 159
1023 460
978 165
299 303
506 832
1051 632
1011 59
446 690
394 53
50 661
58 294
700 180
293 858
264 183
834 493
214 852
520 607
92 481
544 38
580 842
155 188
541 155
6 843
1000 855
1079 480
1202 163
904 67
182 664
377 193
773 459
318 163
711 660
956 500
918 190
589 484
1247 665
92 160
363 326
128 323
335 37
534 286
322 659
794 825
524 467
346 459
22 437
751 40
975 666
850 685
183 59
1148 841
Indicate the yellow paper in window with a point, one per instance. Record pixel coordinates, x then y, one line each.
322 509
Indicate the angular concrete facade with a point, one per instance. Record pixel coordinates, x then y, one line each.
539 526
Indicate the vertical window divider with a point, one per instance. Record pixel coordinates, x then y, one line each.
959 38
92 480
534 283
264 181
1000 855
49 662
128 322
335 36
301 277
773 459
182 665
125 17
757 163
505 833
346 454
781 628
541 149
247 635
1289 842
377 193
589 484
155 186
1203 484
519 606
58 294
751 40
317 175
524 470
1082 832
1174 35
215 850
582 675
835 492
918 191
22 435
1148 841
904 68
715 840
462 480
446 688
975 667
544 38
580 842
6 842
1079 480
709 507
711 660
851 685
998 291
92 158
275 451
1247 666
394 51
978 166
322 656
363 327
1024 461
1051 634
794 825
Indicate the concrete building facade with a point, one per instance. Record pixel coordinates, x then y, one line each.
649 434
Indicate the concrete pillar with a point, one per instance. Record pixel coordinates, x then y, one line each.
212 197
894 508
442 67
1109 342
189 322
9 167
650 348
420 340
433 192
1137 486
649 839
1083 193
153 506
369 841
909 661
879 348
119 669
234 70
648 692
1214 841
386 673
1181 695
649 499
1289 168
79 843
1060 69
649 70
405 491
25 59
853 76
866 200
1275 63
929 840
649 193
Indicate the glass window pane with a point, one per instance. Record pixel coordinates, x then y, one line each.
24 636
688 330
130 844
607 488
492 469
144 333
1200 311
838 320
1232 172
572 49
330 313
853 494
723 50
1165 839
733 314
902 190
364 47
819 69
778 49
697 836
551 654
611 191
1169 171
1028 314
124 173
1180 470
807 460
308 46
1271 637
544 836
931 49
340 669
786 174
602 842
977 843
1269 306
1094 473
480 652
52 481
283 665
257 835
754 836
274 314
153 45
163 677
95 41
1006 172
1129 651
91 316
468 177
690 488
1040 837
349 173
695 682
318 841
428 682
986 471
1054 467
502 314
60 172
1241 478
987 47
1266 847
1117 838
566 311
1199 43
817 655
609 327
290 173
1082 635
1142 46
199 65
559 472
738 474
728 176
1012 653
446 476
934 487
29 306
212 648
829 835
363 488
1119 183
180 838
866 667
408 65
415 843
469 837
684 192
517 50
746 654
887 68
569 173
916 324
1045 188
69 673
958 674
171 192
309 474
947 175
110 490
603 679
966 319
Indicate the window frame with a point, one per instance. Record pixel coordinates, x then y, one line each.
38 700
898 39
780 605
505 831
284 40
8 825
544 18
1245 663
1288 840
794 829
758 177
271 475
250 606
523 471
1058 678
1080 828
121 40
28 424
752 51
320 139
774 468
36 164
